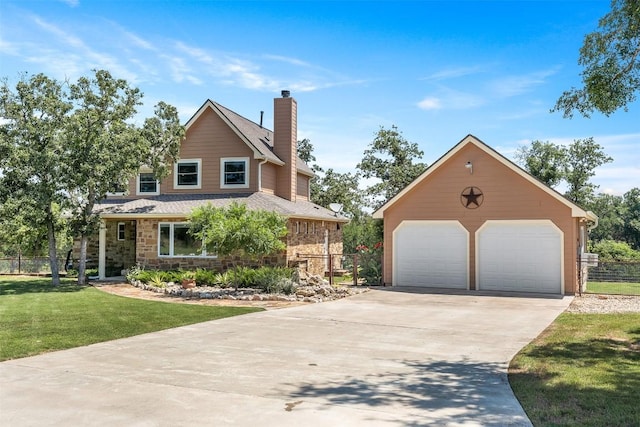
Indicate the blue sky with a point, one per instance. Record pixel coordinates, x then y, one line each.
437 70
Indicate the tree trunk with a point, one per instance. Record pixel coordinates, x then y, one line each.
82 264
53 257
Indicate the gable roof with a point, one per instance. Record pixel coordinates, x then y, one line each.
258 138
576 211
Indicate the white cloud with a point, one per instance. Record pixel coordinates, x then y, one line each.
450 73
508 86
430 103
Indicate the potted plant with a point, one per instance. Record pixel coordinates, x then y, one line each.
188 279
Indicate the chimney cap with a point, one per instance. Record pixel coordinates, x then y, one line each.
286 93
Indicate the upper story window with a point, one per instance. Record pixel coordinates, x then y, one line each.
147 184
187 174
234 172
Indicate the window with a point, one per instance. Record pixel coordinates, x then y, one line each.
175 241
118 189
234 172
188 174
305 227
297 227
313 228
121 230
147 184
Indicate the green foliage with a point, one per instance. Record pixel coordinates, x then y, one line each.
224 279
631 214
583 157
610 211
611 75
235 230
361 231
31 145
156 279
611 250
370 262
205 277
66 146
544 160
342 188
273 280
390 160
574 164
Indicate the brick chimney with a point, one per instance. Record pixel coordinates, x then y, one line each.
285 144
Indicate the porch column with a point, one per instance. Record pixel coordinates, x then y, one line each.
102 249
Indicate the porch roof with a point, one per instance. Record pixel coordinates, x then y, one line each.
180 205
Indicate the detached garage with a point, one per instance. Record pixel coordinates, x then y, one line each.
475 220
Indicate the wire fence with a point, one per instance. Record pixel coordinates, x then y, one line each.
28 265
355 269
613 277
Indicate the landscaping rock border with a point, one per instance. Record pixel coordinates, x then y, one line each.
313 289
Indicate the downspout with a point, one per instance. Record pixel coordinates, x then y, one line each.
260 173
595 223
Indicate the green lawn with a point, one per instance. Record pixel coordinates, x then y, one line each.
583 370
622 288
36 317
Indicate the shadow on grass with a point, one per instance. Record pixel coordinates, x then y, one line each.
426 393
26 285
604 391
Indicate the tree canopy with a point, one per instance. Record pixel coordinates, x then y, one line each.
574 164
611 70
63 147
391 160
238 231
544 160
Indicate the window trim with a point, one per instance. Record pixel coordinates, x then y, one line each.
122 228
146 193
197 186
247 166
171 244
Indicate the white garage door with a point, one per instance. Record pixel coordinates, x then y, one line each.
524 256
431 254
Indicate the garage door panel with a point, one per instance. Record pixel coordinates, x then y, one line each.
519 256
431 254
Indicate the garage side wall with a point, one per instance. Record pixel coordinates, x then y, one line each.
506 196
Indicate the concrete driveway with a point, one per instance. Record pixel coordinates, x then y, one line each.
385 358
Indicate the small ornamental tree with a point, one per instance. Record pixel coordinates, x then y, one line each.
238 231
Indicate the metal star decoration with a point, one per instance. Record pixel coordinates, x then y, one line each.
471 197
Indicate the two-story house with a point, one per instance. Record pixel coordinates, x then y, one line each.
224 158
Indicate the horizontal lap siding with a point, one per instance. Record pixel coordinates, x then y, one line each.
209 139
507 196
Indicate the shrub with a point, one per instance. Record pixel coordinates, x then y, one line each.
223 280
156 279
205 277
269 278
611 250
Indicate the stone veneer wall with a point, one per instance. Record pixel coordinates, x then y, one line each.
304 239
144 250
119 253
147 253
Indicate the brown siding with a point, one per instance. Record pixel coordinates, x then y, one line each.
302 187
285 145
507 196
269 177
210 139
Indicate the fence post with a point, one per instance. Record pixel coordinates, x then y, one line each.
355 269
330 269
